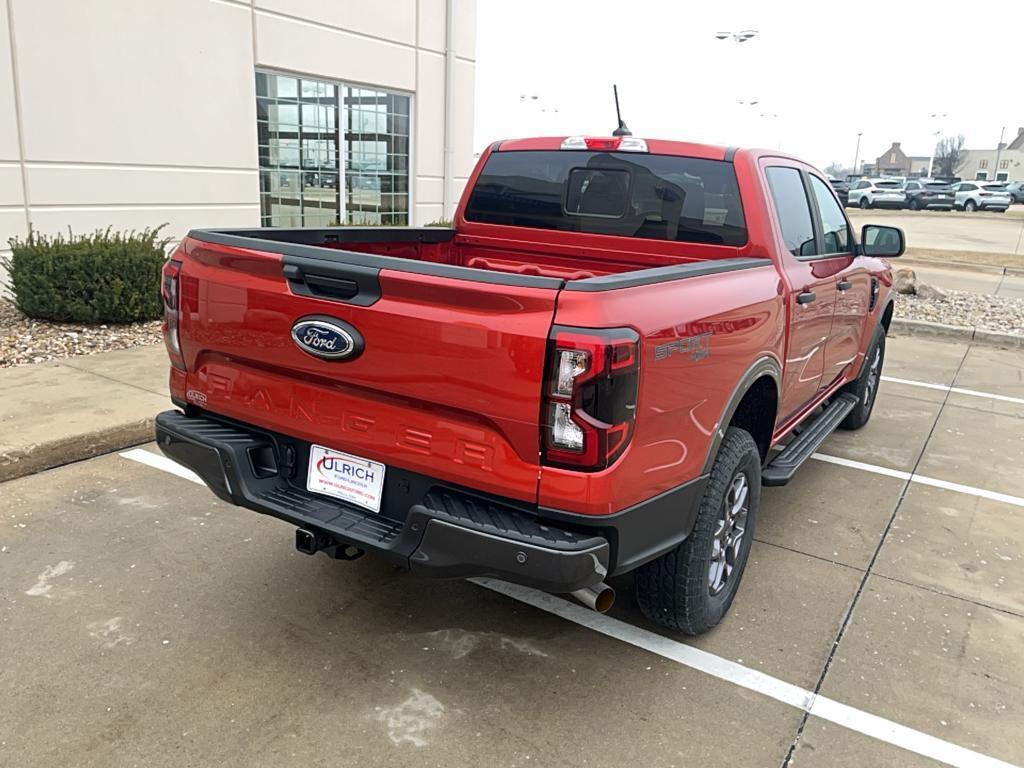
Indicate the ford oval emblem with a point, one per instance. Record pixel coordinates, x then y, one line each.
327 338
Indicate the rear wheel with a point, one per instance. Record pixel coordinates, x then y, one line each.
690 588
864 202
970 206
914 204
865 388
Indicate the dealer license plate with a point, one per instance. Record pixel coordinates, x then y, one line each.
344 476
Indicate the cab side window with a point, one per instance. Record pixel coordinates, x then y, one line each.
834 229
792 207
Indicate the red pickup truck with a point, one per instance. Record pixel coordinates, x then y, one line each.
591 373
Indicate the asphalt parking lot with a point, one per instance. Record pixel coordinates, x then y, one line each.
982 231
880 622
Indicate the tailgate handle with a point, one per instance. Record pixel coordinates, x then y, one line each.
334 281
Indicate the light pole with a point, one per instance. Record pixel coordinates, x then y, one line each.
856 152
766 116
738 37
999 153
931 160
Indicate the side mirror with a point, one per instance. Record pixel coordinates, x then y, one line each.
887 242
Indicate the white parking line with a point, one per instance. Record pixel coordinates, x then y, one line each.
702 661
922 479
161 462
957 390
819 706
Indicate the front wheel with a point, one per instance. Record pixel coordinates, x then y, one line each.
865 387
691 587
914 205
864 202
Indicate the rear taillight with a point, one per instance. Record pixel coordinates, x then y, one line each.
171 293
590 392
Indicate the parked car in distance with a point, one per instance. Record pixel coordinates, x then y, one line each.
842 189
928 193
583 377
1016 190
981 196
878 193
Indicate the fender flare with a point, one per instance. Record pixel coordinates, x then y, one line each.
763 366
889 302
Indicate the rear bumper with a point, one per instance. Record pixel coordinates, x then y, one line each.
426 525
889 202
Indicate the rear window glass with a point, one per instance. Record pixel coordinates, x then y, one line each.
661 197
937 185
997 187
888 184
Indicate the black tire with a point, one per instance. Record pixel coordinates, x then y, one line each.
864 203
678 590
865 387
914 204
970 206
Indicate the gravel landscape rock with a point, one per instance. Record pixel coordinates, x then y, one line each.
23 340
974 310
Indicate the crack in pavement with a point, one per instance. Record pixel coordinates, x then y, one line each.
787 760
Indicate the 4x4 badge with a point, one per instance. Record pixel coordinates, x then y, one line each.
697 347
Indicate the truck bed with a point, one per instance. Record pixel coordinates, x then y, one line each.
440 252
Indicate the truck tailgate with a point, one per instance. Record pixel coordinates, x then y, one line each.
448 383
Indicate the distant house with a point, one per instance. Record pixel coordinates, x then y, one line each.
1017 143
1005 163
893 162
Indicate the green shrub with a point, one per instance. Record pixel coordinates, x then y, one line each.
440 223
105 277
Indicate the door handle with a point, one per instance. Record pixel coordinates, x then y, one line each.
844 285
806 297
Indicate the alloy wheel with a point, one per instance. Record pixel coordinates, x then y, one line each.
874 374
730 530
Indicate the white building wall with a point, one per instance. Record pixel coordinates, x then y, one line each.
136 113
12 201
992 159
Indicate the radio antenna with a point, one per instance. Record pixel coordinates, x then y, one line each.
622 130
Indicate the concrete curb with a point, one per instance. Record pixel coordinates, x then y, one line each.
923 328
21 462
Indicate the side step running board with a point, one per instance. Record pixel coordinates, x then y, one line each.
780 470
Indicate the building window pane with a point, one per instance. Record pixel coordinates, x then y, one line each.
376 147
319 157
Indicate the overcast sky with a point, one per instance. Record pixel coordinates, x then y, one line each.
828 70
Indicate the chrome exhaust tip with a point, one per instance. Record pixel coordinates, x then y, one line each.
599 597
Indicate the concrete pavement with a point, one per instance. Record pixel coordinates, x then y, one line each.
52 413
